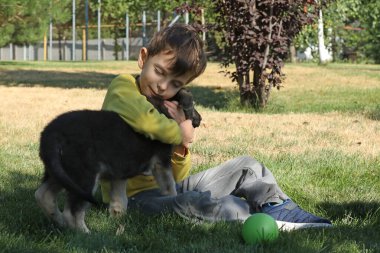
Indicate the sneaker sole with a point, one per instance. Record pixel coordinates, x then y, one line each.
289 226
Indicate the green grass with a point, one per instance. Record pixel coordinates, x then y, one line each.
317 97
352 205
350 100
343 186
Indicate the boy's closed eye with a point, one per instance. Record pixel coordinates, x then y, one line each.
178 84
159 71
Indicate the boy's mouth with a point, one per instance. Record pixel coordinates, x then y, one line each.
154 94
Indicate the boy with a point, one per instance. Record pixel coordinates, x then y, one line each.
231 191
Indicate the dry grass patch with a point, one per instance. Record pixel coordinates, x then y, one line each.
302 77
299 77
25 111
292 134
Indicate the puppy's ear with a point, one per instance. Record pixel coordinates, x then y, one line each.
185 99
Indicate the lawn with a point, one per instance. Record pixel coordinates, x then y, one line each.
319 135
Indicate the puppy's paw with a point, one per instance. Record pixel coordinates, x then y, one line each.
116 209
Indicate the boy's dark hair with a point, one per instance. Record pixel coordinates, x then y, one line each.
184 42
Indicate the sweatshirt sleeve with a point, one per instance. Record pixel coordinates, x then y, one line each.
181 166
124 98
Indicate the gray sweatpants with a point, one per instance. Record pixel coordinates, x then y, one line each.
231 191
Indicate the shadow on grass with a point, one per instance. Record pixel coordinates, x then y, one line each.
23 223
355 210
58 79
208 97
365 214
213 98
374 113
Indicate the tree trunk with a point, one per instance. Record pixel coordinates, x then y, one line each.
242 89
60 44
256 95
334 47
260 96
64 47
245 89
116 45
293 53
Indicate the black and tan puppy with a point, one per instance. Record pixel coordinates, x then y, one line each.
78 148
185 100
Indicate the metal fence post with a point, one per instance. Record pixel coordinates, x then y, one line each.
144 28
50 40
30 52
127 37
158 21
99 31
86 33
24 52
11 51
74 33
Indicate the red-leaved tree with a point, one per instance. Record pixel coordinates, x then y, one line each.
257 35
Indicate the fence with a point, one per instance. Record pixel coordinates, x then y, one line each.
95 49
65 51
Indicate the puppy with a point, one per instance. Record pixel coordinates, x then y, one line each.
78 148
185 100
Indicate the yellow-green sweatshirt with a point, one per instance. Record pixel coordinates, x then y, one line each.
124 97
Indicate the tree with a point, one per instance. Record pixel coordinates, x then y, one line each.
114 12
22 21
352 29
60 12
257 38
355 26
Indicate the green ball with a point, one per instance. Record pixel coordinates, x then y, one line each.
258 228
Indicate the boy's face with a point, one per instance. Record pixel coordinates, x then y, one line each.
157 78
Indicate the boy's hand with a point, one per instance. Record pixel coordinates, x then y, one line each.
175 111
180 150
187 131
186 126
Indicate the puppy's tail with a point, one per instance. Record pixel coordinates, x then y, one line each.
50 153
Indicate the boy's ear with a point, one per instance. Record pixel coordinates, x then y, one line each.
143 56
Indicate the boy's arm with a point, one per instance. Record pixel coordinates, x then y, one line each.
181 163
186 125
124 98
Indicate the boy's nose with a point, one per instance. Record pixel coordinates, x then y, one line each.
162 86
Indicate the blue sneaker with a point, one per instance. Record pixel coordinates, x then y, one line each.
289 216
